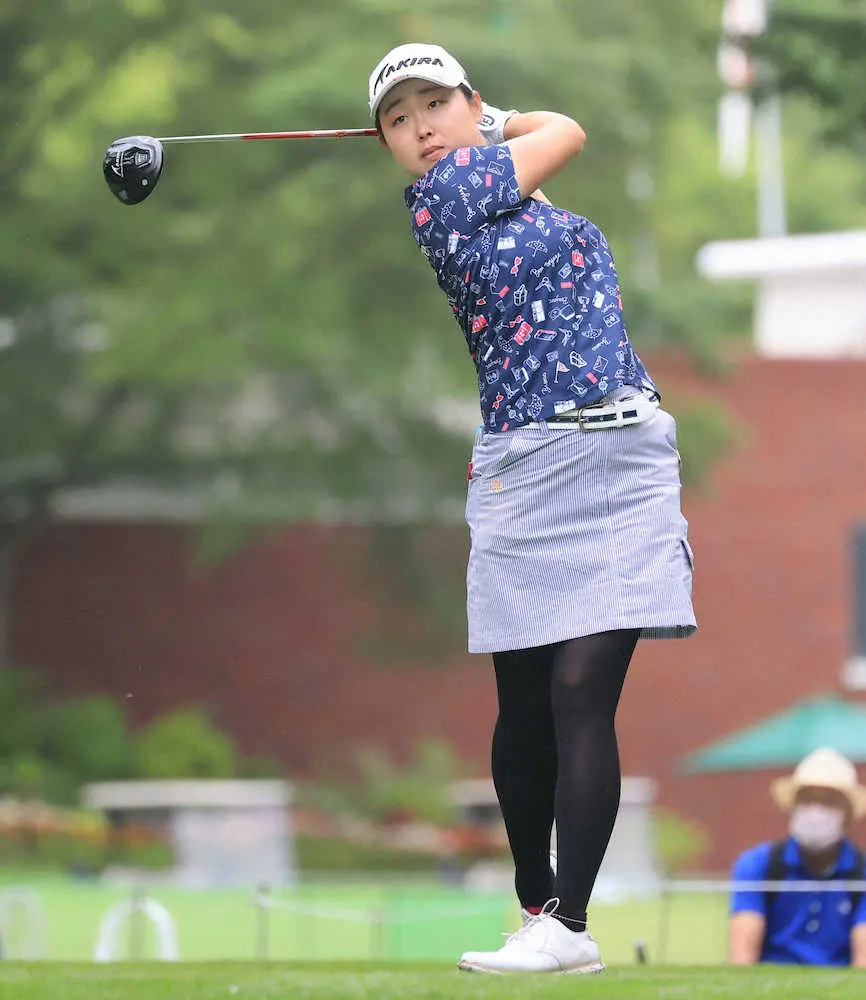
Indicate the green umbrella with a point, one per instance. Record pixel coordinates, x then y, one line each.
786 738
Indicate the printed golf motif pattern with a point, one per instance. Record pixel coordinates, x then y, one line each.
533 287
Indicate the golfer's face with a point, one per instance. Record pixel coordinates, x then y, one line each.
422 121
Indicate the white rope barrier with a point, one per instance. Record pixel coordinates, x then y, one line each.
728 885
447 914
375 916
667 887
365 915
313 910
388 912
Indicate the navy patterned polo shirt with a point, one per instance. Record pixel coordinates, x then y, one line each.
533 287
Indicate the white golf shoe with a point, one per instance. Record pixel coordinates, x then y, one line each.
543 944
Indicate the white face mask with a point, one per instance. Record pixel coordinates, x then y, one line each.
817 827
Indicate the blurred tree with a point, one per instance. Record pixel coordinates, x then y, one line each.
267 372
679 843
88 739
21 715
261 338
817 51
417 790
27 775
185 744
385 791
48 749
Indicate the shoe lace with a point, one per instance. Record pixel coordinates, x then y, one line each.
549 908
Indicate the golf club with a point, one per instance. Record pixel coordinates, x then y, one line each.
133 165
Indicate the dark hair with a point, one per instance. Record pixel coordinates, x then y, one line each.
467 92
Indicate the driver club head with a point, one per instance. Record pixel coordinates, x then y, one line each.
132 167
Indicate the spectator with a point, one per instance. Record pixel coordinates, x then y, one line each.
823 797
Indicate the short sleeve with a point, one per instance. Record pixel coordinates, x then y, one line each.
751 866
468 188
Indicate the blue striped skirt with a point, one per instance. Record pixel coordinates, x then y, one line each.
575 532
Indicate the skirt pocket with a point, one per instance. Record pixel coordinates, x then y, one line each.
494 454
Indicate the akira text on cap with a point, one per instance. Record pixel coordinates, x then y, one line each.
415 61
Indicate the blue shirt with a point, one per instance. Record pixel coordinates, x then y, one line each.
808 928
533 287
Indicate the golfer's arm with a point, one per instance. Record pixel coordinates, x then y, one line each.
541 143
745 938
858 946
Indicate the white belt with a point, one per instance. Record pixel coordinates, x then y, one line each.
636 409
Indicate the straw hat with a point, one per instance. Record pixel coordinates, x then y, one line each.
823 768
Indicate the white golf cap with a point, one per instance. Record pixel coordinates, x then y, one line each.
415 61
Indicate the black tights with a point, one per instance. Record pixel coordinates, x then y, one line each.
555 756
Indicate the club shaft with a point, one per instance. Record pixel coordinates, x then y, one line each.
336 133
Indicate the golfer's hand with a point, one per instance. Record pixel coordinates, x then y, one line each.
492 124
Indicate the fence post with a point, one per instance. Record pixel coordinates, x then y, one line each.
664 922
262 903
377 920
137 904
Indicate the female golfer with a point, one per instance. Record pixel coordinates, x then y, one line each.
578 544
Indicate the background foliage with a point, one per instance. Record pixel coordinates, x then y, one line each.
261 339
49 747
817 51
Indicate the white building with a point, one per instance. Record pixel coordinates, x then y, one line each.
810 291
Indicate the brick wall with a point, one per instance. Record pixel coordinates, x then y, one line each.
270 639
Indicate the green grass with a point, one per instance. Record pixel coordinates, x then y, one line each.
345 921
384 921
255 981
337 928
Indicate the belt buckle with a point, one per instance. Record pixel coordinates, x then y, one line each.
586 411
617 408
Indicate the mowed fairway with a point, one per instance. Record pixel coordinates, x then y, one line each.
50 981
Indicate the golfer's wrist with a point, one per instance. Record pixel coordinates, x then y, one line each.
493 122
512 127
